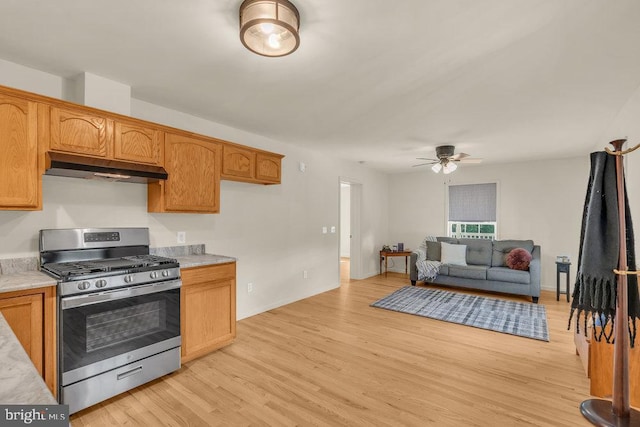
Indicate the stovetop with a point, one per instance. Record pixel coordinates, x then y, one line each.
77 270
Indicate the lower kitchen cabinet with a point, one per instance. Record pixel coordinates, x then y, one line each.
31 315
207 309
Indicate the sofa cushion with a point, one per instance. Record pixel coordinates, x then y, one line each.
469 271
479 251
453 254
433 248
444 270
505 274
501 249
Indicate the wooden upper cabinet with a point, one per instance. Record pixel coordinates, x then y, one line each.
193 165
20 183
268 168
78 132
238 162
136 143
246 164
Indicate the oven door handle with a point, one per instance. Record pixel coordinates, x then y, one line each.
116 294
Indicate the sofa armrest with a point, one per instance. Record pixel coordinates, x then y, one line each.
535 267
413 270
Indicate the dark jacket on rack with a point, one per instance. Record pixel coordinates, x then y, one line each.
596 283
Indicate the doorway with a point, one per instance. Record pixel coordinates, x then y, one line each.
349 241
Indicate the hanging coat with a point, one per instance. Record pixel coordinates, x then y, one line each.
594 294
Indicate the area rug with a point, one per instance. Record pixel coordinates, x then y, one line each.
509 317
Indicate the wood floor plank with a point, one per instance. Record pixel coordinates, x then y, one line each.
333 360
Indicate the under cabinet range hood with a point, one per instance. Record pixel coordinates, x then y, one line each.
72 165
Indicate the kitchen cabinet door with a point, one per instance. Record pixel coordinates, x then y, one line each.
31 316
238 162
79 132
193 165
20 181
136 143
208 309
268 168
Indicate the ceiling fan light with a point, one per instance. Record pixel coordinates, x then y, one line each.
436 168
269 27
449 167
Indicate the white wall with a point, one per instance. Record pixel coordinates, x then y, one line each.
627 125
274 231
542 201
345 220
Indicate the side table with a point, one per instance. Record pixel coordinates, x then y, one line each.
386 254
562 267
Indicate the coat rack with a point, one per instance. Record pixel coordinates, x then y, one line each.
617 412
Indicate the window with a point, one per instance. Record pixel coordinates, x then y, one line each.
472 211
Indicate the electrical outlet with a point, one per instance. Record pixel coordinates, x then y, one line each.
182 237
333 228
249 287
305 274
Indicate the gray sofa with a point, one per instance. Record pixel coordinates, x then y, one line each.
486 269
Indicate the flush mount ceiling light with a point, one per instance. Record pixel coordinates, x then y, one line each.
269 27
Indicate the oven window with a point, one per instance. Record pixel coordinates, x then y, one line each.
97 332
115 327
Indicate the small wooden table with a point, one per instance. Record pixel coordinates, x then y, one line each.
386 254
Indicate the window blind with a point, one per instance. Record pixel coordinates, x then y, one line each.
472 203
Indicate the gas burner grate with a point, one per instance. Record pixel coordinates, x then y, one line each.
151 260
125 264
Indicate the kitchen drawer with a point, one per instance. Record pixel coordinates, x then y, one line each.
210 273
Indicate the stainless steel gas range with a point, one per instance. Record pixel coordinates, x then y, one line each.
118 311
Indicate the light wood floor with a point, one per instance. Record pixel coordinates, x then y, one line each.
333 360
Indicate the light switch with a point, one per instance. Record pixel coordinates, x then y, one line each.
333 228
324 230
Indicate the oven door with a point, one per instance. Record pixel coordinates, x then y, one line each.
102 331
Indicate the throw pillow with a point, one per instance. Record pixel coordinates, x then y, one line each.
518 259
453 254
433 251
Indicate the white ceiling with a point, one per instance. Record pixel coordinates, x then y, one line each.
376 81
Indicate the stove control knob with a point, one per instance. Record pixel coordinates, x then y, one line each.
101 283
83 286
165 273
128 279
154 275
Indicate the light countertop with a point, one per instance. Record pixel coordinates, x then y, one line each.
203 259
25 280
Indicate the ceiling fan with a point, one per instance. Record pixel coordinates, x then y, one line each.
446 159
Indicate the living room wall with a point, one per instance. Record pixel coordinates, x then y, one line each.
538 200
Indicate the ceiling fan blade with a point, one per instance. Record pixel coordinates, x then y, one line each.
424 158
459 156
424 164
470 160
